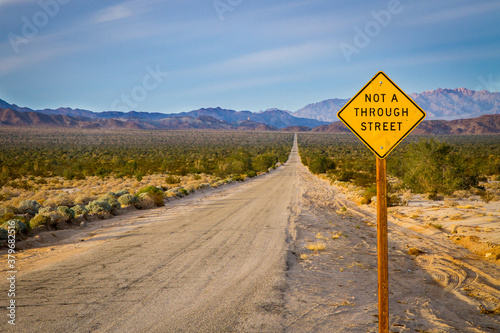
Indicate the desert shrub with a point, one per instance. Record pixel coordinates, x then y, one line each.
127 200
60 200
238 178
6 214
4 234
113 202
364 179
66 212
263 162
29 206
145 201
320 164
435 167
345 175
40 220
155 193
80 210
171 179
19 225
393 200
98 207
45 210
368 194
121 193
486 196
84 199
251 174
183 191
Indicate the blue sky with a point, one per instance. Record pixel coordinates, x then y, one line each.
179 55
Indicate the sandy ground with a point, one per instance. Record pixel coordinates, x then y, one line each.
234 259
441 287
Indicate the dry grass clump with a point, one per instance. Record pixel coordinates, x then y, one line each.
457 217
303 256
336 235
318 246
413 251
436 225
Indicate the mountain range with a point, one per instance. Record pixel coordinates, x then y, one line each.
485 124
440 104
445 104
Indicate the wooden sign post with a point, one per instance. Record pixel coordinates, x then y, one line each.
382 247
381 115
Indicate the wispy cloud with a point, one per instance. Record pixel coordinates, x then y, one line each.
122 11
277 57
15 63
113 14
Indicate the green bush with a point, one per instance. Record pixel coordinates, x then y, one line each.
238 178
369 194
29 206
80 210
19 226
127 200
393 200
67 212
435 167
98 207
251 174
320 164
121 193
155 193
4 234
113 202
145 201
264 162
183 191
40 220
6 214
171 179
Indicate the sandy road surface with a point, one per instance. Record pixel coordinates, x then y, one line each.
217 266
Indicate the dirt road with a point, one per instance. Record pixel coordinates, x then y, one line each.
216 266
236 262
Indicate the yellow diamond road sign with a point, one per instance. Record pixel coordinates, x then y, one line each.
381 115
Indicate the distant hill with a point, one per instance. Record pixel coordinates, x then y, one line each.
486 124
273 118
446 104
9 117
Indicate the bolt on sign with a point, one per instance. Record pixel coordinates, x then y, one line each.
381 115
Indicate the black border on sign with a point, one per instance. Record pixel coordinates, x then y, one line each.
404 136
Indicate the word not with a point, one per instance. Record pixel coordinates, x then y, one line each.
139 93
221 7
11 262
372 29
29 30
